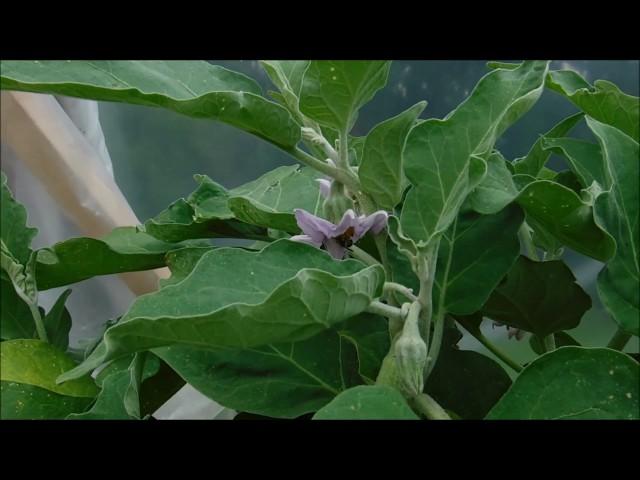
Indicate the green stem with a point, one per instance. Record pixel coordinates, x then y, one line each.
379 308
549 343
346 177
390 287
37 318
434 347
619 340
343 151
363 256
429 407
496 351
525 237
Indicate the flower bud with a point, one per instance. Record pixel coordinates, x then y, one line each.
411 354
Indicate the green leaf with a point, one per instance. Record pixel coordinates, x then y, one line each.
119 397
381 173
604 101
537 157
560 212
57 322
192 88
474 255
16 320
270 200
562 339
617 210
574 383
467 382
585 158
289 291
14 232
333 91
374 402
437 154
182 262
289 379
496 190
28 369
124 249
287 76
539 297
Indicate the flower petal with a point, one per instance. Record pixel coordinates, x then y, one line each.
315 227
348 220
335 249
305 239
375 222
325 187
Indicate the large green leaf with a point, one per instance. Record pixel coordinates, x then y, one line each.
289 291
559 211
28 369
537 157
603 101
182 262
374 402
193 88
380 168
618 211
16 320
123 250
285 380
269 201
474 255
539 297
438 153
333 91
203 214
574 383
584 158
467 383
14 232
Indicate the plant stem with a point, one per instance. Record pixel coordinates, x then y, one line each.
37 318
343 151
527 240
345 177
429 407
434 347
549 343
363 256
379 308
496 351
619 340
397 287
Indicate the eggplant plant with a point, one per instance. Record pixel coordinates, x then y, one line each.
370 257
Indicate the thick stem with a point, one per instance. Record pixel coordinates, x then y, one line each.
429 407
37 318
390 287
619 340
434 347
345 177
379 308
343 151
363 256
549 343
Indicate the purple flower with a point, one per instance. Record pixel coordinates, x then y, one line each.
337 238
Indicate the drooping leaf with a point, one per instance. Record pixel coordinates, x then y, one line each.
438 153
496 190
539 297
124 249
14 232
333 91
367 402
57 322
617 210
585 158
537 157
194 88
285 380
289 291
270 200
28 369
381 173
474 255
16 320
603 101
574 383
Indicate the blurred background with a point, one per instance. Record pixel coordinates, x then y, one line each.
155 153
